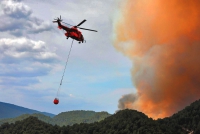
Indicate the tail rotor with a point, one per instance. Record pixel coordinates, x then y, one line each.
57 20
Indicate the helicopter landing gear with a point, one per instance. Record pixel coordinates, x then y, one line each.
79 42
67 37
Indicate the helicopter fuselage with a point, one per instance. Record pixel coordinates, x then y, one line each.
73 32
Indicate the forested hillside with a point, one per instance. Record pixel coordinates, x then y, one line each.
188 118
123 122
65 118
126 121
41 117
79 116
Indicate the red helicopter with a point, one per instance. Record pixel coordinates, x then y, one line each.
72 32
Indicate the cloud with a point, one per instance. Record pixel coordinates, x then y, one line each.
19 21
17 0
24 70
13 81
23 49
16 9
24 60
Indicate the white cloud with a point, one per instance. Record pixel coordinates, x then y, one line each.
24 60
23 49
37 28
16 9
19 21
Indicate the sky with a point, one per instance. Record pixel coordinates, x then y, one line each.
34 52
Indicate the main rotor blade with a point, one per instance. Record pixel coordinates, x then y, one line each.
87 29
67 23
81 23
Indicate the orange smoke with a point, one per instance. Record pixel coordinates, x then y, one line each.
162 38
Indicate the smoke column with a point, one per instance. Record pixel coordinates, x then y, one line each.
162 38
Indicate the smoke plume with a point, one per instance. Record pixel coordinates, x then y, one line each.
162 38
126 100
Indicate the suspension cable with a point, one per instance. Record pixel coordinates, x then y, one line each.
64 69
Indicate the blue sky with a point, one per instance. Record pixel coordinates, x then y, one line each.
34 52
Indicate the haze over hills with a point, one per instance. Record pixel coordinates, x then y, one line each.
186 121
64 118
10 111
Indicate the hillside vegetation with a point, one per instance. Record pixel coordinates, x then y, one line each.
126 121
41 117
72 117
65 118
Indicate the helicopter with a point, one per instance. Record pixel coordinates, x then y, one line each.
72 32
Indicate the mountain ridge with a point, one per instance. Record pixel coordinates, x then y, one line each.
64 118
186 121
8 110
